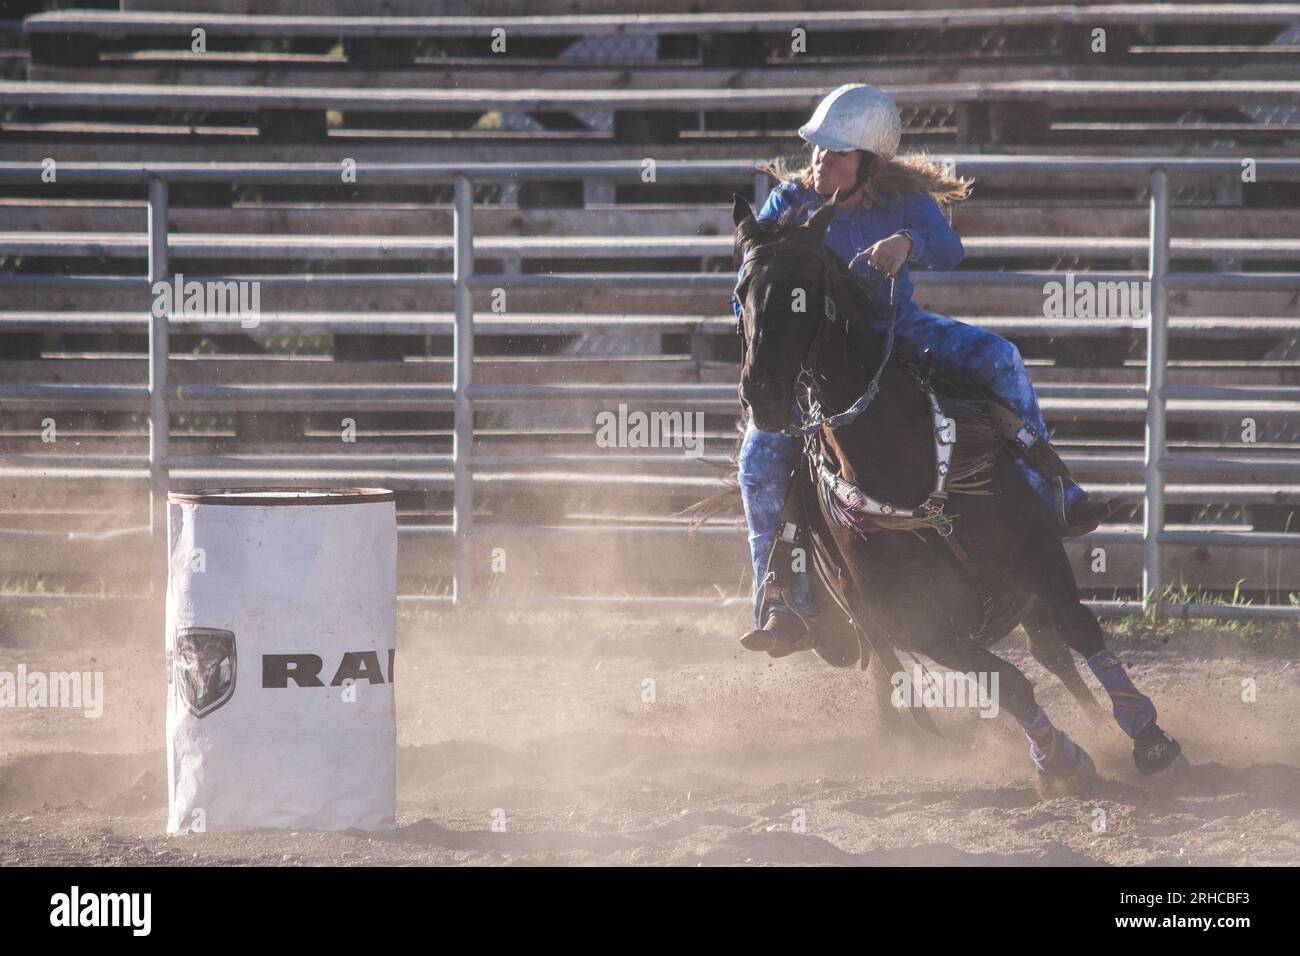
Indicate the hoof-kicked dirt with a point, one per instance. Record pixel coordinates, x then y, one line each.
619 739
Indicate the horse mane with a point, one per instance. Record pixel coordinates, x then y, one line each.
763 230
853 289
846 287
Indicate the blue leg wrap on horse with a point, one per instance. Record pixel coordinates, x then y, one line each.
1051 750
1133 710
765 463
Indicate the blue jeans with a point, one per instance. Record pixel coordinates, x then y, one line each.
965 351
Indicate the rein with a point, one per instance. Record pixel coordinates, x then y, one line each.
813 418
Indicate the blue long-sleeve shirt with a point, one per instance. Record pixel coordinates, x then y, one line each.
934 244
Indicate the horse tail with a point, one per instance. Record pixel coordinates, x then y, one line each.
725 502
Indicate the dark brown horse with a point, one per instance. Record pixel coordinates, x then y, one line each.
941 546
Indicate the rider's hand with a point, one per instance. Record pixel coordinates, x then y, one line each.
889 255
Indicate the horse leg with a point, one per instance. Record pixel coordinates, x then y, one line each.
882 692
1048 649
1063 766
1134 712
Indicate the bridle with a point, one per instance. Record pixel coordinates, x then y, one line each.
850 505
812 416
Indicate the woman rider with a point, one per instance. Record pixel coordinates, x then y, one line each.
890 220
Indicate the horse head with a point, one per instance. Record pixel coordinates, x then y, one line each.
792 293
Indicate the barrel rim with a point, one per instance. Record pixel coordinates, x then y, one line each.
265 496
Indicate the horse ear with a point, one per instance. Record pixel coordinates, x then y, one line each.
821 219
740 209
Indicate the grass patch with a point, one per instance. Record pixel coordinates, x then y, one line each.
295 343
1171 623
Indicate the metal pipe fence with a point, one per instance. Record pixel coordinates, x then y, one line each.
463 394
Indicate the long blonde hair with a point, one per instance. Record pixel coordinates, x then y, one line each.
888 178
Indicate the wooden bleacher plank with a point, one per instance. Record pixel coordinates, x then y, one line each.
383 323
1097 218
362 130
541 150
124 245
217 68
118 23
1184 93
487 323
971 218
329 247
249 369
719 398
483 150
387 219
349 8
1113 462
186 370
417 297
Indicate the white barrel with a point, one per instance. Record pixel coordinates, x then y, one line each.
281 637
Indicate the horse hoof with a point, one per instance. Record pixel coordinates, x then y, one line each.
1154 751
1076 781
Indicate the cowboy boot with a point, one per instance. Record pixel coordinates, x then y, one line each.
1076 512
1085 514
784 630
782 634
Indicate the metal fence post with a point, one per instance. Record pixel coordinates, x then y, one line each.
1153 522
462 511
159 350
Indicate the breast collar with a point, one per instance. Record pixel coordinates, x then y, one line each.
854 503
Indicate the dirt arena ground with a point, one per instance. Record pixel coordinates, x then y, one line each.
541 723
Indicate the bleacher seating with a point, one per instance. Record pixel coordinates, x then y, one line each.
114 86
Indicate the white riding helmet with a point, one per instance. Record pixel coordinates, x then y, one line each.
855 116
